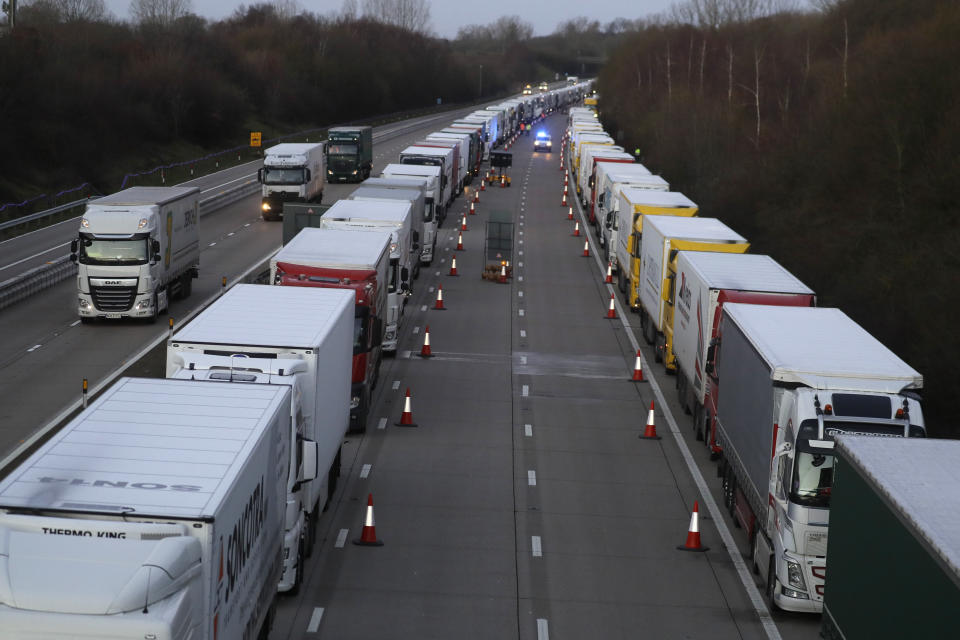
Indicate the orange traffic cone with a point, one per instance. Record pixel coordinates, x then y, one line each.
483 183
565 187
473 209
650 433
453 266
693 532
368 537
439 305
609 278
503 181
576 229
406 418
570 213
463 223
425 349
476 196
563 203
502 279
565 182
612 311
460 241
638 369
586 248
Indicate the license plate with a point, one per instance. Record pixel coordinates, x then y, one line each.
113 315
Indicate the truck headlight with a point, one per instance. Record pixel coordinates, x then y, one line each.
390 335
795 575
84 304
329 172
265 206
144 304
354 402
354 172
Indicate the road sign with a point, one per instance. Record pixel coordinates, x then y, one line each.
254 138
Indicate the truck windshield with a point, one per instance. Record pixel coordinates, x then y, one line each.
359 335
276 175
114 251
812 478
394 275
428 210
342 150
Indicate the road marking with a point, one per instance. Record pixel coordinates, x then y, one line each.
520 278
531 478
436 273
423 308
535 546
382 424
430 289
74 323
416 330
525 391
520 252
212 244
247 225
33 348
521 232
315 620
521 241
404 355
521 313
523 359
528 430
365 471
396 385
341 538
230 234
520 264
543 633
520 293
523 333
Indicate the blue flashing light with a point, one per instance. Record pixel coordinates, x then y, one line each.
542 134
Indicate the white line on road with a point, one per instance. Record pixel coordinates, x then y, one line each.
230 234
341 538
212 244
520 278
365 470
520 293
520 264
528 430
436 273
315 620
535 546
247 225
33 348
543 632
430 289
416 330
523 359
523 333
532 478
520 313
525 390
382 424
404 355
423 308
396 385
74 323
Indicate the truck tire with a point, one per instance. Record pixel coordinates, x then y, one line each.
267 623
622 284
650 333
310 535
771 587
86 320
156 310
753 552
301 560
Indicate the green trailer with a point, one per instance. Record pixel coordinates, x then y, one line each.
349 154
498 247
894 543
296 216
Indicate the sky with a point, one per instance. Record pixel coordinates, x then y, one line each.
446 16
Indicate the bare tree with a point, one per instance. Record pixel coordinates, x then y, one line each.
163 12
755 90
287 9
413 15
71 10
349 10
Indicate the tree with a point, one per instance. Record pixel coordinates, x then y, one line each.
412 15
66 10
162 12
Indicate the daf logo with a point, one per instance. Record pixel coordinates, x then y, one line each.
112 282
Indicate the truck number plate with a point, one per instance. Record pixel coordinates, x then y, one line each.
113 315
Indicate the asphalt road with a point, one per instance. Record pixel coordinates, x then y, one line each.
523 505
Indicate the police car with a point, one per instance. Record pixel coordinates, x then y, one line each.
542 142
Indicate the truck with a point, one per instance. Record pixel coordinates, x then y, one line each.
299 216
349 153
663 237
707 281
136 250
629 223
901 490
587 175
608 218
475 132
362 216
791 380
157 512
408 194
291 172
465 146
435 157
458 159
357 262
425 184
480 126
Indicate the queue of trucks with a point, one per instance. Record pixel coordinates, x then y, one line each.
775 384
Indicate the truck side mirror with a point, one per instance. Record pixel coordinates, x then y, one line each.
708 366
259 175
405 274
308 176
311 455
377 332
73 246
155 250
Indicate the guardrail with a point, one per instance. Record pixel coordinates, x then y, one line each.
56 271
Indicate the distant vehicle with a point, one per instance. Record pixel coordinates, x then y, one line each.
542 142
349 153
544 86
291 172
527 90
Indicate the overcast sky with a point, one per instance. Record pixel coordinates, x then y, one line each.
446 16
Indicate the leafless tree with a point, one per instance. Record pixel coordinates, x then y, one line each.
349 10
755 90
413 15
287 9
714 13
162 12
70 10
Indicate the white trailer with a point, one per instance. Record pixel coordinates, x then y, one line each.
435 156
464 144
371 215
413 196
157 512
790 380
434 214
426 186
461 154
291 172
307 346
137 249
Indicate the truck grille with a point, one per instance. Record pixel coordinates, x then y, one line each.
113 298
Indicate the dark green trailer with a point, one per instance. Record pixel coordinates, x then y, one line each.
894 543
349 154
296 216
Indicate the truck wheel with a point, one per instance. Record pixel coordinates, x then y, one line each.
301 560
649 332
622 284
186 285
311 534
156 310
771 589
753 551
86 320
363 413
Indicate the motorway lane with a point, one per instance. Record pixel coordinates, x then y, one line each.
524 504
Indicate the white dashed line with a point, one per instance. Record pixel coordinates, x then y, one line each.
341 538
528 430
423 308
525 391
521 313
523 333
382 424
33 348
315 620
416 330
520 293
535 546
396 385
543 632
531 478
365 471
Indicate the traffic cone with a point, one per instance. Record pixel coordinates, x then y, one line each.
473 209
576 229
612 311
460 241
564 202
503 181
693 532
368 537
439 304
570 213
586 248
406 418
425 349
565 182
609 278
650 433
502 279
453 266
565 188
463 223
476 196
638 369
483 183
